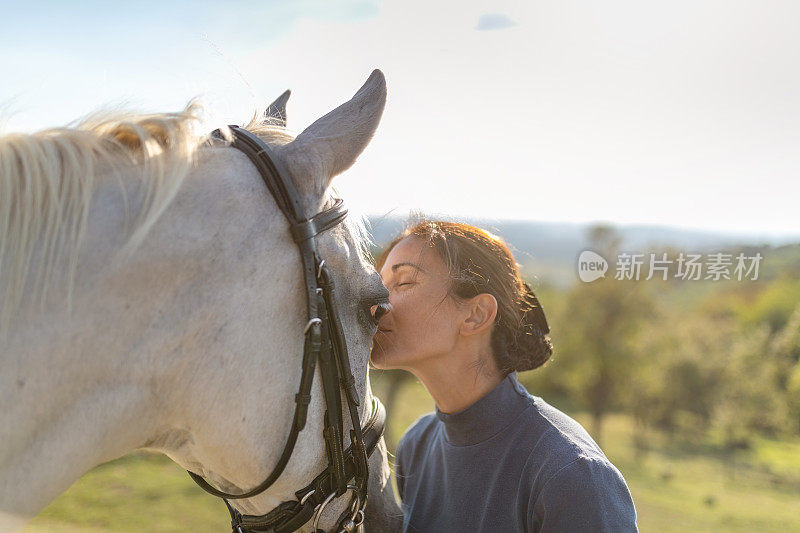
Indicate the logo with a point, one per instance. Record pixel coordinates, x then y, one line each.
591 266
685 267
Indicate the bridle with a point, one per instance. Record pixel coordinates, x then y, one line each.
324 345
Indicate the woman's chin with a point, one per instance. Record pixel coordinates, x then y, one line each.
377 359
380 359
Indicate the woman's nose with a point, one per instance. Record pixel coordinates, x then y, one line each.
380 310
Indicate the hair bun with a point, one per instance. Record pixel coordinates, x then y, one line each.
533 306
528 346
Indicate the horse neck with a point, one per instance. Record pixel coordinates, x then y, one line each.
86 386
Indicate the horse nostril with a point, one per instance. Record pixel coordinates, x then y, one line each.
380 310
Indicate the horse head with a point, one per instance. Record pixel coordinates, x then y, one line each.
189 341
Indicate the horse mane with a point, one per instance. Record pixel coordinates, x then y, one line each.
47 180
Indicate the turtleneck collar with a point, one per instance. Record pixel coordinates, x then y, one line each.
487 416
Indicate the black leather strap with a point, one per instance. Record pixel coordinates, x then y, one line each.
272 171
291 515
324 346
308 229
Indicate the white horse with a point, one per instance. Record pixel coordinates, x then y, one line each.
152 297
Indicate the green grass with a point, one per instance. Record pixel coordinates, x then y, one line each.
139 492
675 487
676 490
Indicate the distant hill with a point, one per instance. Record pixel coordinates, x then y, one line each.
548 251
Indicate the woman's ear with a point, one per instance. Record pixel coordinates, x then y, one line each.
482 312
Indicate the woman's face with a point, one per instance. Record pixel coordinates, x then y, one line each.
424 320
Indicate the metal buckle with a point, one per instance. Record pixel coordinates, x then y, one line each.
355 509
307 496
311 323
351 525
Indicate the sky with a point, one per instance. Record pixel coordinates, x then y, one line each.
682 113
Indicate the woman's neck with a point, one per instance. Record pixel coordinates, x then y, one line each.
457 380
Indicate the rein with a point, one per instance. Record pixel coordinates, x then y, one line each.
324 345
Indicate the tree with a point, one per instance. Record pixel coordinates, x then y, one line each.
595 350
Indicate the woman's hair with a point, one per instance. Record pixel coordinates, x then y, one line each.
480 262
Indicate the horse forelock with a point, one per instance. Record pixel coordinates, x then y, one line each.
47 181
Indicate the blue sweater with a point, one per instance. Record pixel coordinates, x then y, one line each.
509 462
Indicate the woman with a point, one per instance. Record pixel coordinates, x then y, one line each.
491 457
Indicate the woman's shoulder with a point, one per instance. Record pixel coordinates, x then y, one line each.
564 462
542 426
558 445
554 428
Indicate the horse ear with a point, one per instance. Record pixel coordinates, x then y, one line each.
275 113
337 139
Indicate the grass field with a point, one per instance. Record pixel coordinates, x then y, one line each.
675 487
